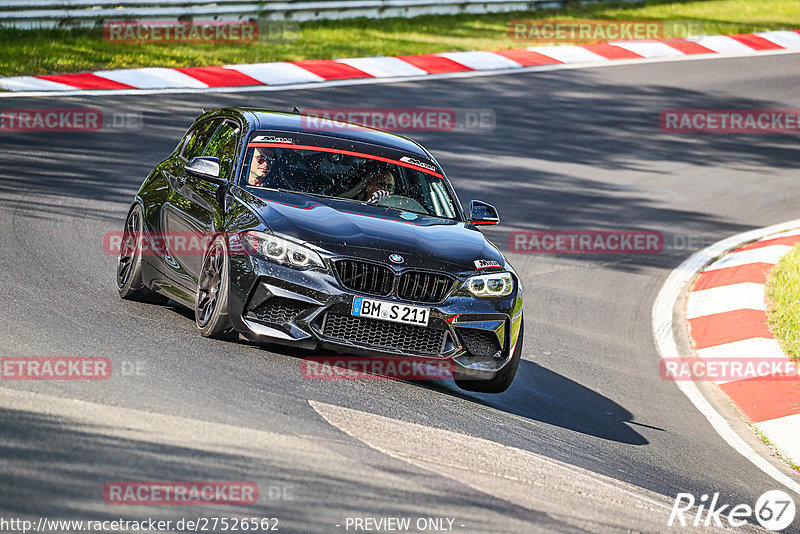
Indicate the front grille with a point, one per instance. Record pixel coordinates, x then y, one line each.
365 277
421 286
479 342
376 279
278 310
403 337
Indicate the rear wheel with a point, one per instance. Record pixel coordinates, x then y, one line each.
502 378
211 300
129 263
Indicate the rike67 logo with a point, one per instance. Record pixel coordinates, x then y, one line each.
774 510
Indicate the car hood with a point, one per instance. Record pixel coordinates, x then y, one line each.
372 232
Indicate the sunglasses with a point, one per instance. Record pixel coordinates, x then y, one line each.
385 185
261 159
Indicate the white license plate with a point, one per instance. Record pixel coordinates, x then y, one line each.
390 311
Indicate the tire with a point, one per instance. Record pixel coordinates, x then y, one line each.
129 263
503 378
211 297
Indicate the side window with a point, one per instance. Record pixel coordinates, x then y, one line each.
223 146
198 139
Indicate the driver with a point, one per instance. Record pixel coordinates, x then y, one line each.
380 185
260 167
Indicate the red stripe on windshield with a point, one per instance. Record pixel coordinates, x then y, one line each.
345 152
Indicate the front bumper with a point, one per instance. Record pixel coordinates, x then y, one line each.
271 303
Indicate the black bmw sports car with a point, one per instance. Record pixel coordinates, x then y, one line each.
324 235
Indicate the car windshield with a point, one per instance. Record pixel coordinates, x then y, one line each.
407 184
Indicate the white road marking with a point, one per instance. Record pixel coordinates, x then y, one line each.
755 348
30 83
723 299
770 254
783 430
569 54
277 73
384 67
650 50
152 78
722 44
786 39
481 60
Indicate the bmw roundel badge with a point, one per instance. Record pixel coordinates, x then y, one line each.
396 258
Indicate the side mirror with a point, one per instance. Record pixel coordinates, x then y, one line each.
207 168
482 213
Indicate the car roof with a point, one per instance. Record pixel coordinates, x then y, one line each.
264 119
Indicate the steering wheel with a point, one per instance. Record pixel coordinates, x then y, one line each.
402 203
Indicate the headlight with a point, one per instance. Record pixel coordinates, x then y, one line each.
281 250
491 285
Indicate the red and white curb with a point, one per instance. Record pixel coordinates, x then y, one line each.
316 71
727 319
666 330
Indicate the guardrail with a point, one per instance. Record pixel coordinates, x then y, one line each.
83 13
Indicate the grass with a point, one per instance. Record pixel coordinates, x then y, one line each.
783 303
27 52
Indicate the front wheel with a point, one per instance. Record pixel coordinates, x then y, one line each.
211 300
502 379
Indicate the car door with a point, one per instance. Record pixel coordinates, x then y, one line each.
193 205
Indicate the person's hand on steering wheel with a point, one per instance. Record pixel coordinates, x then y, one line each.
380 185
377 196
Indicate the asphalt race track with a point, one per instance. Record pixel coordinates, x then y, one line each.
577 149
